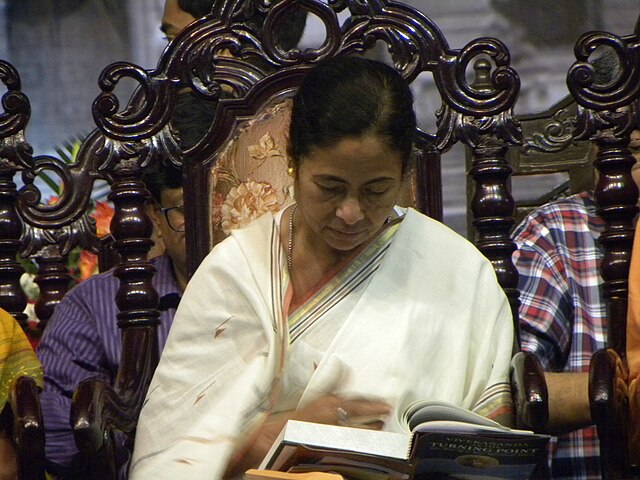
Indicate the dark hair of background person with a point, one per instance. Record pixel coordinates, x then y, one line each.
160 176
197 8
288 34
605 67
378 100
192 117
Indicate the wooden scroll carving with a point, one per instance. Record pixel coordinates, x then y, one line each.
15 156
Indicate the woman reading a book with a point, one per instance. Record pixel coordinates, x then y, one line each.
340 309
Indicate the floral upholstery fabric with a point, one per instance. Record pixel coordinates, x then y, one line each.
250 177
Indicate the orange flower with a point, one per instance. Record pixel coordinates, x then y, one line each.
88 264
103 214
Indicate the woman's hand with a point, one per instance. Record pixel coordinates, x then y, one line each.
336 410
328 409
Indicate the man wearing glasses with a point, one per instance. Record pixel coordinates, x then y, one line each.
82 338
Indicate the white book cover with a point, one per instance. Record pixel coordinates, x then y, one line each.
321 436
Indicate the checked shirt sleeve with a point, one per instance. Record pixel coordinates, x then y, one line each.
546 310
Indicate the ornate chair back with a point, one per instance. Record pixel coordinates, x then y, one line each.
548 163
44 234
21 416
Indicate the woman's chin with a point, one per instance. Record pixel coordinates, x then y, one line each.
345 241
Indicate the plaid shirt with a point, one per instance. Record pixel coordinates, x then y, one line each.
562 314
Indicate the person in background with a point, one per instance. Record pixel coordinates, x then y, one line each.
82 339
177 14
563 313
180 13
291 317
17 359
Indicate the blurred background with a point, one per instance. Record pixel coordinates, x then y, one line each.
60 47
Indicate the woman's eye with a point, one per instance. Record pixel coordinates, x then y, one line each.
333 190
376 193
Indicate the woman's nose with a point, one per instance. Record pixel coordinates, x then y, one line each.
350 211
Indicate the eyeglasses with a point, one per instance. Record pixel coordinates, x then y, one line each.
174 217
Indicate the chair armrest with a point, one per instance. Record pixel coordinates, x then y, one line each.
99 410
28 428
609 412
529 391
95 411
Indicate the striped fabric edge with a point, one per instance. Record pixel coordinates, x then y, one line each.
279 325
495 401
342 284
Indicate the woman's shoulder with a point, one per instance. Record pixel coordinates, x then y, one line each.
434 231
425 237
250 241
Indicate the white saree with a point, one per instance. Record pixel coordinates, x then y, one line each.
418 315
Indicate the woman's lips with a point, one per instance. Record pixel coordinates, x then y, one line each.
347 235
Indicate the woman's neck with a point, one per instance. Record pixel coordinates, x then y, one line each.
314 262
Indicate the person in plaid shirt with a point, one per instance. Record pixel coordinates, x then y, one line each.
562 317
562 320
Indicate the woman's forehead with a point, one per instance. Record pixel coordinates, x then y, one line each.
364 156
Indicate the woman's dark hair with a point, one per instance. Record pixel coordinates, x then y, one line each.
350 97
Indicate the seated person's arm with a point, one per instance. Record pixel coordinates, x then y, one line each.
70 351
547 317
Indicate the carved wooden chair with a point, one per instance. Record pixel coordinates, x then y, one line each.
607 114
549 148
549 161
262 76
22 417
45 234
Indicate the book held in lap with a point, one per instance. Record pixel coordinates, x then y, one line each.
442 441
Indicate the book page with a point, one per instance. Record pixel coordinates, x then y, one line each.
453 426
349 464
424 411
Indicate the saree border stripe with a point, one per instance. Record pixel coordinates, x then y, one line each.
342 284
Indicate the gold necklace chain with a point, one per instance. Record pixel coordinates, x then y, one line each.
290 246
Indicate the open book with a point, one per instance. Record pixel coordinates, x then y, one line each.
441 439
